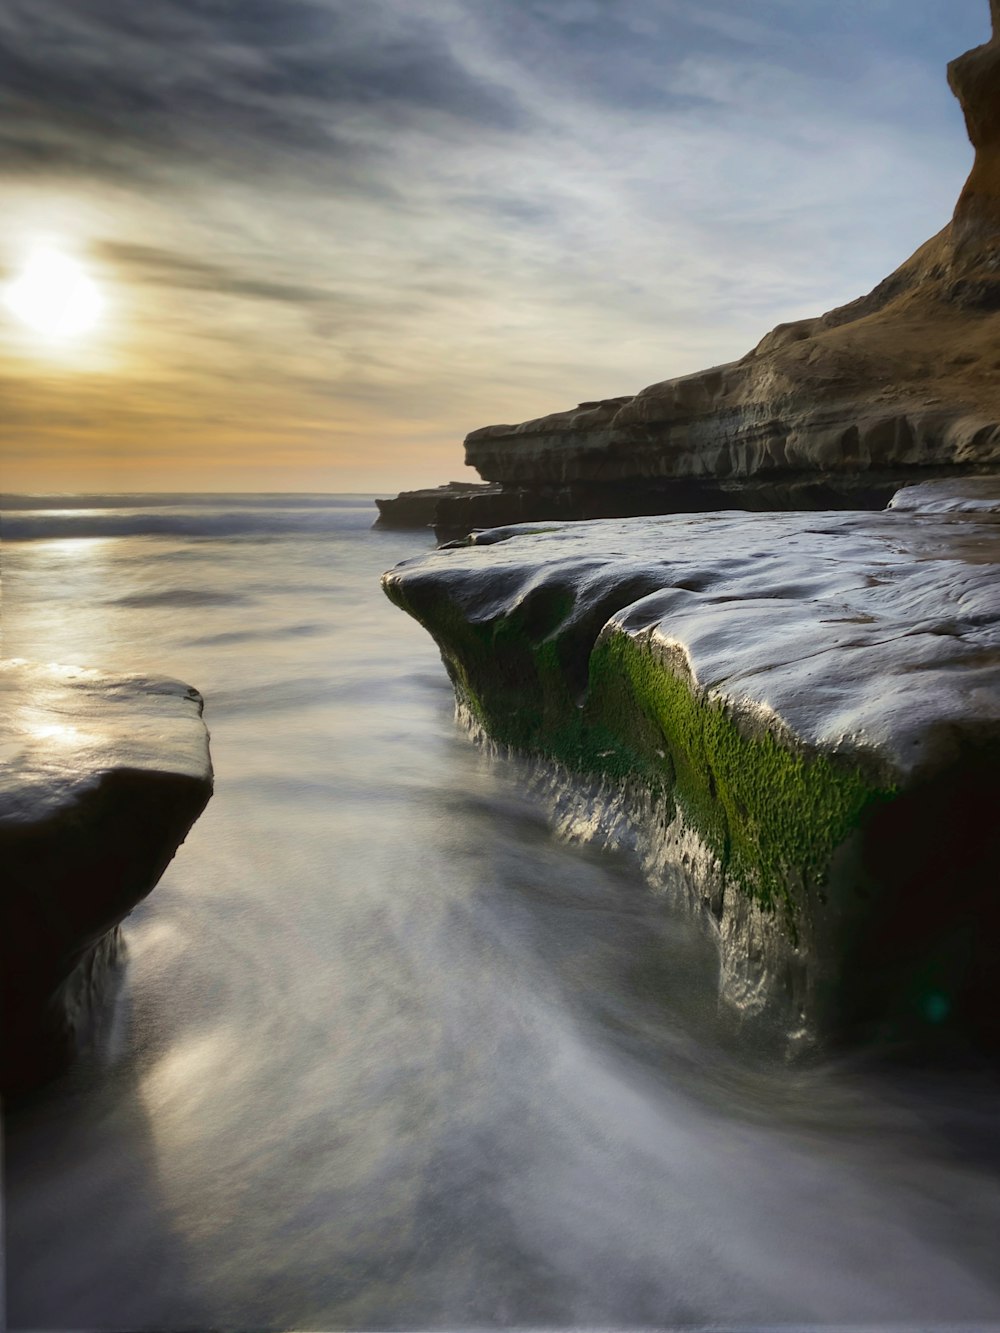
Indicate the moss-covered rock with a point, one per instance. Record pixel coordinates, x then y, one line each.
773 813
814 696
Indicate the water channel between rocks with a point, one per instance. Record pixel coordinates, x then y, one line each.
387 1052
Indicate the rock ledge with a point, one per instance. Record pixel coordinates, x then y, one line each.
813 697
104 776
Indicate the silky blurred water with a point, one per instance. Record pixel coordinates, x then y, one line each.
388 1054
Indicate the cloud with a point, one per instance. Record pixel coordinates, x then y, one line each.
166 268
420 215
115 88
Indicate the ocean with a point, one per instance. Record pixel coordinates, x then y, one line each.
388 1049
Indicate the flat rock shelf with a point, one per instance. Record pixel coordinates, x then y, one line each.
103 775
803 709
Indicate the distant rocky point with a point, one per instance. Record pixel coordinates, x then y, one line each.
421 509
837 411
103 778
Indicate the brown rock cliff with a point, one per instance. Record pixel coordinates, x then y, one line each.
975 80
900 384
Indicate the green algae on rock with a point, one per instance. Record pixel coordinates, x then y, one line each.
772 813
813 696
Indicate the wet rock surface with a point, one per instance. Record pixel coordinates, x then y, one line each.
103 777
809 706
968 495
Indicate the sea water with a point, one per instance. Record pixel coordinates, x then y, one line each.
385 1051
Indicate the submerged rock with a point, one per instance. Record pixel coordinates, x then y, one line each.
805 707
838 410
104 775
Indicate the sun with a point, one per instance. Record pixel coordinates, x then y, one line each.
54 295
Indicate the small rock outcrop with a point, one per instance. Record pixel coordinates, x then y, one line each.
103 778
901 384
804 709
428 508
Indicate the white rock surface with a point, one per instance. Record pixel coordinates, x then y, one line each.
968 495
65 727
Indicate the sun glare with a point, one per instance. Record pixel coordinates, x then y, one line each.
54 295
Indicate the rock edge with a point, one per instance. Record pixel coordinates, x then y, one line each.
104 777
814 698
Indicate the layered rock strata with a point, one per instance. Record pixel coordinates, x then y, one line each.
807 709
837 410
104 776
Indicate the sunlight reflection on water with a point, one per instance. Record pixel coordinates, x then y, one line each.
388 1053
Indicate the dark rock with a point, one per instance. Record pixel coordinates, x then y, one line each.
105 775
805 490
975 294
419 509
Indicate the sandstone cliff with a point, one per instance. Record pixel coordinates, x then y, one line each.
899 384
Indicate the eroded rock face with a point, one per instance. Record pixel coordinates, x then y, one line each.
811 702
898 384
975 80
103 777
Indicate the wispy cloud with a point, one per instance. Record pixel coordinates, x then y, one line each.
371 227
122 88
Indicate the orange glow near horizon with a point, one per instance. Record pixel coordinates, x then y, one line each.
326 284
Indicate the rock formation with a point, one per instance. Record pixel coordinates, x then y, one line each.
428 507
104 777
835 411
803 709
975 80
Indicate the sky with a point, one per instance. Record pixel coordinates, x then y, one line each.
330 237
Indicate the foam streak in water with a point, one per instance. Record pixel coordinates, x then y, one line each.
391 1053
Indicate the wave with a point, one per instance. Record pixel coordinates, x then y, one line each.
258 519
179 597
185 500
